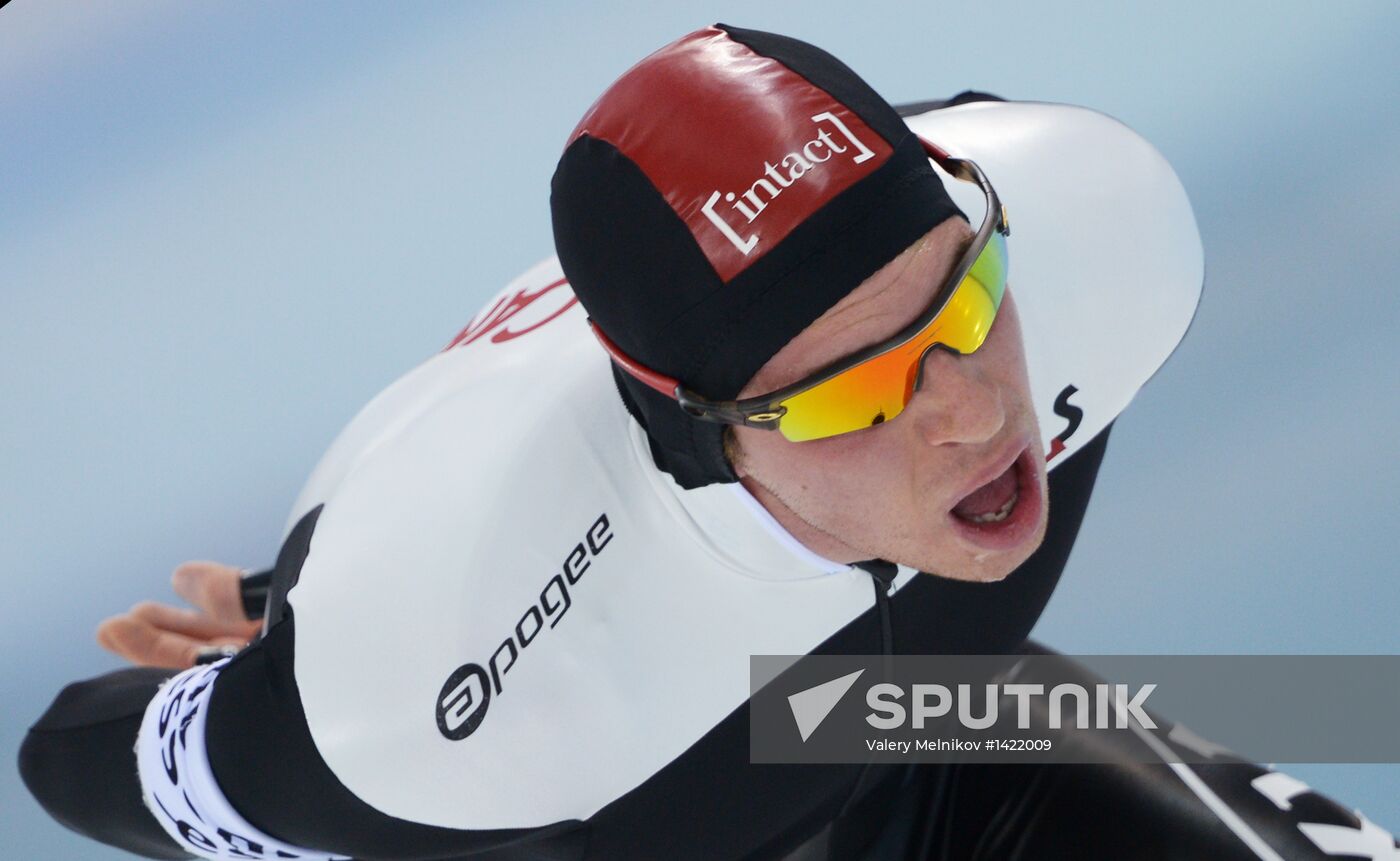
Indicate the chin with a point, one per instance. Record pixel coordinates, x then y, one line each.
971 572
990 571
984 566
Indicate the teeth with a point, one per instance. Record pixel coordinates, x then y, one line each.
1000 514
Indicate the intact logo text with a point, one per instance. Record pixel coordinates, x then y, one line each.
735 212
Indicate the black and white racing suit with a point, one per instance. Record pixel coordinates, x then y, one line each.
497 631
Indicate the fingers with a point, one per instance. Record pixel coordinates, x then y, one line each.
213 588
142 643
157 635
188 623
153 634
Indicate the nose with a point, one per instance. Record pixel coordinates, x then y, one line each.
955 401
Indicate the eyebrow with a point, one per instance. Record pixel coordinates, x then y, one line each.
964 245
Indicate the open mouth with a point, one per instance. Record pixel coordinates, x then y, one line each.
1005 511
993 501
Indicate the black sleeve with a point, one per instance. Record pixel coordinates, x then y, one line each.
78 761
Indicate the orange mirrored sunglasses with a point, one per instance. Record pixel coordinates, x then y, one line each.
875 384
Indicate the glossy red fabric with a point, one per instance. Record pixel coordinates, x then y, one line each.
775 148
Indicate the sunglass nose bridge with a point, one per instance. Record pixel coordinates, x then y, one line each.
923 360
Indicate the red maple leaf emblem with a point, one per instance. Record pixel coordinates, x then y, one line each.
493 320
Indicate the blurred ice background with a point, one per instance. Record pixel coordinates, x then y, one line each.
224 226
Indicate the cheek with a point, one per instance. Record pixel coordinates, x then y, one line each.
787 465
1002 360
845 467
1004 344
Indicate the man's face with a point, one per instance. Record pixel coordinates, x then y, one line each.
954 485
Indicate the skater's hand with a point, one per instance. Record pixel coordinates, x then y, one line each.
159 635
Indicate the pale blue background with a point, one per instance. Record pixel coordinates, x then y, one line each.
225 226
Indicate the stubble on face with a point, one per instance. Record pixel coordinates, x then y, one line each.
886 491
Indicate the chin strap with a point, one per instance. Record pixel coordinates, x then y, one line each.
882 574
